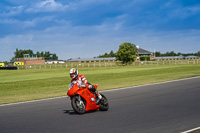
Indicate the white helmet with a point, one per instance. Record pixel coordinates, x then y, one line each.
73 73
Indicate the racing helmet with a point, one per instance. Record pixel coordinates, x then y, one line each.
73 73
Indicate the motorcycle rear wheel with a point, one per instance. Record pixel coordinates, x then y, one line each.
103 103
77 105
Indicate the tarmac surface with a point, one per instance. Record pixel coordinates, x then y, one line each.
170 107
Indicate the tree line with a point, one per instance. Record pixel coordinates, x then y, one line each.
157 54
19 53
111 54
172 53
127 53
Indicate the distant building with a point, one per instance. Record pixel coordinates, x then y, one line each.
176 57
143 54
29 60
54 61
91 59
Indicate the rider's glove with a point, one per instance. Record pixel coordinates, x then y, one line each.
83 86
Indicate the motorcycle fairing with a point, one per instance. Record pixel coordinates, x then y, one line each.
88 96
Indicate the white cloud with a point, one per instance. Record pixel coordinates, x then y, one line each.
36 21
27 23
8 21
184 12
16 40
185 41
194 9
47 6
13 11
84 4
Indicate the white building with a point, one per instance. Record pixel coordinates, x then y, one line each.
54 62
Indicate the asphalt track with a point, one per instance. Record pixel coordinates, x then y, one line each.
170 107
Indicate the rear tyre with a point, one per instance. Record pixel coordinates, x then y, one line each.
78 105
103 103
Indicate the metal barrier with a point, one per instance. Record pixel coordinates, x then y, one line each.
8 68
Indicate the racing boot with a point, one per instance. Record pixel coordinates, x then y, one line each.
98 96
95 92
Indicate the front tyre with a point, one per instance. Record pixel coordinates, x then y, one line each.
78 104
103 103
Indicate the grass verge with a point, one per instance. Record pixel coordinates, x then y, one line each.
33 84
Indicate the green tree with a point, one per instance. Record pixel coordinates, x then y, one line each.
54 57
16 53
197 54
127 52
157 54
106 55
20 53
111 54
167 54
179 54
47 55
172 53
42 54
38 54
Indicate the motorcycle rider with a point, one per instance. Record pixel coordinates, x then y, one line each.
82 82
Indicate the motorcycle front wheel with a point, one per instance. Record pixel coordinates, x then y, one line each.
78 104
103 103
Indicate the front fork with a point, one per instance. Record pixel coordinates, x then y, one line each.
80 102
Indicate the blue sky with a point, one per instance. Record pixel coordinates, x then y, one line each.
88 28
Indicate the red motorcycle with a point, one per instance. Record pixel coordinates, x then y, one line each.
83 100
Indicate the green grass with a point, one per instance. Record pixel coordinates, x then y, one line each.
32 84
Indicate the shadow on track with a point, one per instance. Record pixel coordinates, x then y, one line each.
72 112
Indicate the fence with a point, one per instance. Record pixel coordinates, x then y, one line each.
110 64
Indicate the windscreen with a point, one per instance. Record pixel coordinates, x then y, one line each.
72 84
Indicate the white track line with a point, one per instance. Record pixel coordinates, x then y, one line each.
31 101
191 130
152 84
100 91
